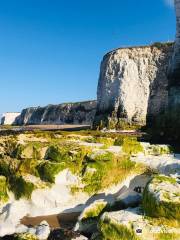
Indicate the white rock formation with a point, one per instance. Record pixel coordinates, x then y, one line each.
161 197
128 198
9 118
59 197
43 230
158 188
167 164
48 201
174 82
87 222
174 68
133 83
130 223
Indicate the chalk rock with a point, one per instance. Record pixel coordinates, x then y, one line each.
21 228
87 221
128 198
162 197
9 118
43 230
130 224
132 85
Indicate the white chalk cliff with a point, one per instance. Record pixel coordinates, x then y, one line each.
133 83
66 113
174 68
9 118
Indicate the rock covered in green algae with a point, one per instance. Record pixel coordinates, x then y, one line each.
93 210
97 168
21 187
87 221
3 190
128 198
25 236
43 230
35 150
130 224
156 149
161 197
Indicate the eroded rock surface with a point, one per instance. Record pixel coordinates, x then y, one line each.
131 224
162 198
67 113
174 68
133 84
9 118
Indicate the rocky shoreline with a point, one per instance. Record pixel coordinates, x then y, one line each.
60 175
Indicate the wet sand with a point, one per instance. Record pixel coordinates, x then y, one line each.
67 127
63 220
48 127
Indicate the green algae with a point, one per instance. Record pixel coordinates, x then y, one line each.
153 208
3 189
130 145
167 236
20 187
94 211
110 170
24 236
48 170
112 230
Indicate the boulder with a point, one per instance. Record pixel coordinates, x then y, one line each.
161 197
156 149
128 198
42 230
130 224
139 182
21 228
32 151
87 221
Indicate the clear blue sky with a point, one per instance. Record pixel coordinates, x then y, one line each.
50 50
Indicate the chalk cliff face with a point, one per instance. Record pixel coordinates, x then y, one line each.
9 118
67 113
133 84
174 68
174 79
